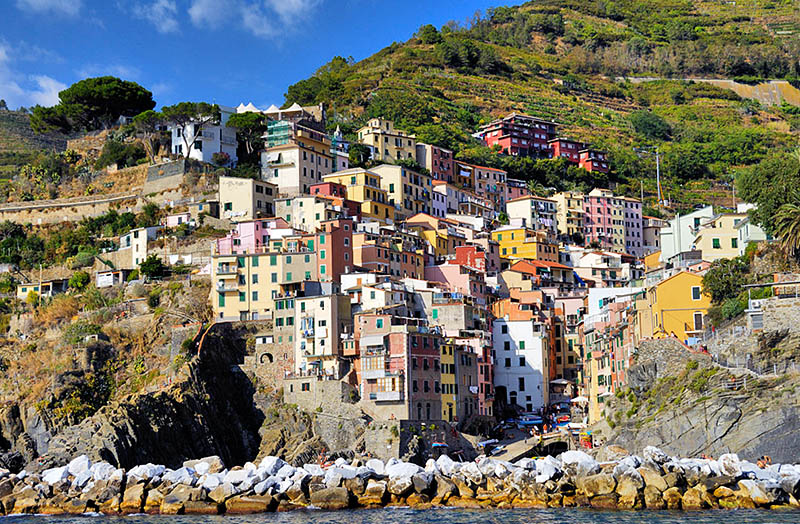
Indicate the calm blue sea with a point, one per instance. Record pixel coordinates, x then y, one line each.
450 516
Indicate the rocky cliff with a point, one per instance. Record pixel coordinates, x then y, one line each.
207 410
687 405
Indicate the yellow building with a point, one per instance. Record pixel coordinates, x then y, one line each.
652 261
517 243
364 186
448 370
676 306
569 213
388 144
718 237
442 234
408 191
246 286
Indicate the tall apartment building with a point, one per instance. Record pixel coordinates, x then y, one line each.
320 323
408 191
517 188
651 234
634 233
299 159
438 160
604 220
387 143
488 182
213 138
570 215
519 135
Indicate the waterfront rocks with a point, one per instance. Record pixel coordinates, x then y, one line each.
206 486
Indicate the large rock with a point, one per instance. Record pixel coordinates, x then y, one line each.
78 465
133 498
578 463
693 499
377 466
654 454
445 488
331 498
594 485
472 473
222 492
400 486
374 493
652 478
247 504
673 498
55 475
653 498
402 469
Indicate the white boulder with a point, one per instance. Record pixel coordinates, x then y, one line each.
54 475
402 469
376 465
78 465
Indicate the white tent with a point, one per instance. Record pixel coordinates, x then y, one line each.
580 399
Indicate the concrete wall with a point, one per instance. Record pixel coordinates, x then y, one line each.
164 177
781 314
68 209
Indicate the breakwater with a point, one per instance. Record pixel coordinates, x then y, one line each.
574 479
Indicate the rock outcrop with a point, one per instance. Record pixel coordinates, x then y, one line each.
207 410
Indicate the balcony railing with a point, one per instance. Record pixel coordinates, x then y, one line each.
386 396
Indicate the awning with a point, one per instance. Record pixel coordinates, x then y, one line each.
560 381
605 394
273 157
577 400
371 341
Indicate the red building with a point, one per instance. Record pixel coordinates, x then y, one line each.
566 148
592 160
437 160
334 245
470 256
519 135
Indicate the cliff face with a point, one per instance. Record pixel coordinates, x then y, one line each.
688 406
207 410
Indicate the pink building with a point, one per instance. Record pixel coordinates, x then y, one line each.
634 234
461 279
251 236
470 256
517 188
177 219
603 220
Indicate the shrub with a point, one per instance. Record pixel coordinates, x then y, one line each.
79 280
79 330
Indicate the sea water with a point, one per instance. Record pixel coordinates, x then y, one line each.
447 516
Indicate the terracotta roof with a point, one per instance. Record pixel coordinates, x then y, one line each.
530 266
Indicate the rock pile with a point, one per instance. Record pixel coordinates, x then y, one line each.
652 481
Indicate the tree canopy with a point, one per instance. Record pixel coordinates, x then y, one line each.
92 103
147 126
200 114
770 184
250 127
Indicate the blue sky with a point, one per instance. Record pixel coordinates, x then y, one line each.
224 51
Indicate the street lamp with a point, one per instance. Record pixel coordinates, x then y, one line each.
655 152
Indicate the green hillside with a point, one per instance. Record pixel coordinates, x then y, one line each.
561 60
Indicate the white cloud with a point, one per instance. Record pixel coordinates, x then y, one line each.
66 7
25 90
211 13
161 13
119 70
262 18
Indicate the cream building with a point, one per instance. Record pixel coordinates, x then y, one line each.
718 237
307 212
569 214
245 198
538 213
298 164
320 323
386 142
408 191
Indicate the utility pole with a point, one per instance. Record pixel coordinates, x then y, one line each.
658 176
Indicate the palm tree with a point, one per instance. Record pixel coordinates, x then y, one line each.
787 227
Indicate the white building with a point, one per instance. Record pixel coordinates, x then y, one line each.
679 234
749 232
211 139
134 243
521 362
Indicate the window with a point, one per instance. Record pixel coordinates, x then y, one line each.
379 323
504 329
242 296
289 276
508 363
435 314
734 243
255 295
254 262
522 344
521 384
506 345
695 292
698 321
322 254
255 279
322 269
221 300
715 243
228 206
522 362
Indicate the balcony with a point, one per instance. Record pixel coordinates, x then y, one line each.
226 288
226 271
386 396
374 373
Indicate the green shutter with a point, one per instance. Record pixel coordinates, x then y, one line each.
239 261
254 262
221 300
